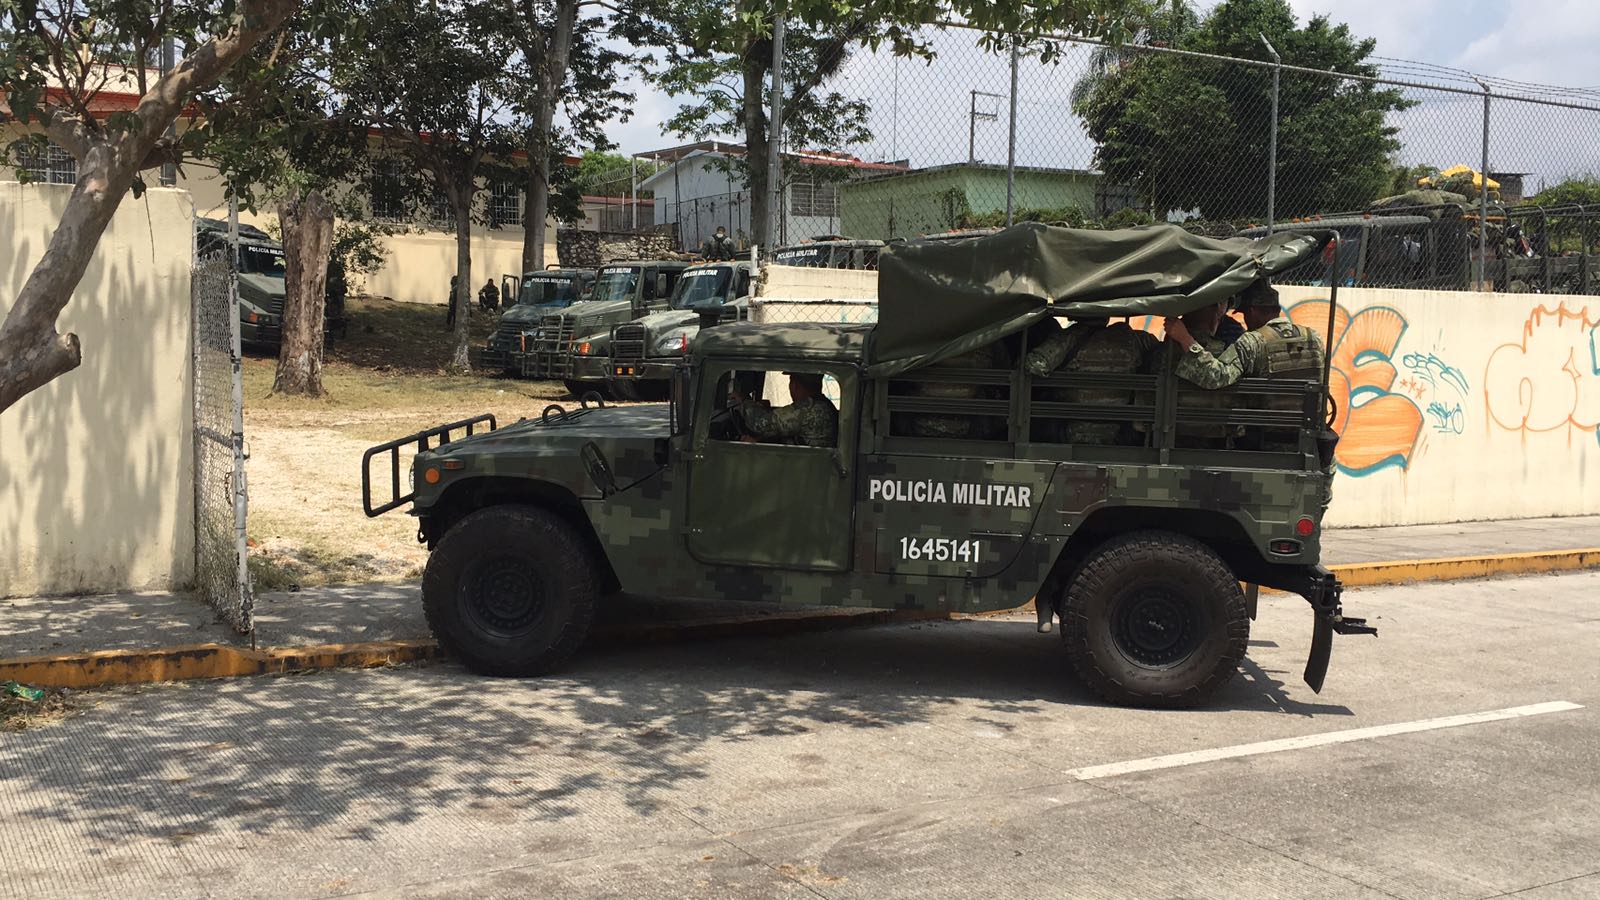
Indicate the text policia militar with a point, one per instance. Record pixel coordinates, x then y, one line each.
967 493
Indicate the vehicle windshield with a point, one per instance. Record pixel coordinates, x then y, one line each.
702 288
256 260
618 283
549 290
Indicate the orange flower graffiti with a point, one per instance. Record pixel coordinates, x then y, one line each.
1377 428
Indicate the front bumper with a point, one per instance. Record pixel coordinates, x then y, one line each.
644 369
260 333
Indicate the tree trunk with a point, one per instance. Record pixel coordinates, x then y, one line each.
536 205
552 77
756 145
307 223
32 352
461 203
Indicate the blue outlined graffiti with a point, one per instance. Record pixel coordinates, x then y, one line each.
1439 389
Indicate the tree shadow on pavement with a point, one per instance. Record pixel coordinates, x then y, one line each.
622 733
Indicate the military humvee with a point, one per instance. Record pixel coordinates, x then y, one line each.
830 253
646 351
573 345
1138 547
528 300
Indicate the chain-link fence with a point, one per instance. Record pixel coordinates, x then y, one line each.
222 577
1392 155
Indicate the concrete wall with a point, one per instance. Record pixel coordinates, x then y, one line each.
96 468
420 262
1453 406
1459 406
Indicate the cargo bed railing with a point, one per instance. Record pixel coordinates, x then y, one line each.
393 448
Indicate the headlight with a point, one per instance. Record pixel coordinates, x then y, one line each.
583 349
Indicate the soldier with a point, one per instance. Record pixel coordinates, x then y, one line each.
811 420
719 246
489 296
450 305
1204 327
1094 345
1273 348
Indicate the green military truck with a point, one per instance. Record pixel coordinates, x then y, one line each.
261 283
528 300
1139 546
573 345
646 351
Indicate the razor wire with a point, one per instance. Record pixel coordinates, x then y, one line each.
222 576
976 137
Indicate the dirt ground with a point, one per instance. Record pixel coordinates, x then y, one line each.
385 380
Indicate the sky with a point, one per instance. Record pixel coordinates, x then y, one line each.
1543 41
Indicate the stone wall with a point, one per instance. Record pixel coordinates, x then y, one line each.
592 249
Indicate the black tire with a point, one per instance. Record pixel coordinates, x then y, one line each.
623 390
579 388
511 591
1154 619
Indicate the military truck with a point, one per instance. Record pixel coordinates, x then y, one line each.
830 253
1139 547
573 345
646 351
261 283
528 300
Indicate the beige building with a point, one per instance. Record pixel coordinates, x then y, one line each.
422 255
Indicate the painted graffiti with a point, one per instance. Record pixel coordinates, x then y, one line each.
1378 426
1441 386
1548 380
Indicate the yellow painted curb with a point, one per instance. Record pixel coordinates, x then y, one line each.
1460 568
84 670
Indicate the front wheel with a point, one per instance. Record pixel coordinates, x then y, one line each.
1155 619
510 590
580 389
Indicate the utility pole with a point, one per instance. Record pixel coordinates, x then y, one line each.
1011 141
1272 140
1483 193
633 188
972 122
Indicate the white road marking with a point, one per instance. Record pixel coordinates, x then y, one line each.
1148 764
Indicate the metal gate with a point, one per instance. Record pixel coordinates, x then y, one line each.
222 576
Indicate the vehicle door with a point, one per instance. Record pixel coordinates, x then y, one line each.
783 506
510 290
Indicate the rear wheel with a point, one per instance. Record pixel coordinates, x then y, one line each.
510 590
1155 619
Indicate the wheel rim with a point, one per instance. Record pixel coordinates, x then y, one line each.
1156 627
503 596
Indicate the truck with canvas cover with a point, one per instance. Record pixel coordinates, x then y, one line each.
572 345
528 299
646 351
1137 545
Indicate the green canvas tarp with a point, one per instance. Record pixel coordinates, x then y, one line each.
938 299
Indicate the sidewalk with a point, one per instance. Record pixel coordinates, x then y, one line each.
51 626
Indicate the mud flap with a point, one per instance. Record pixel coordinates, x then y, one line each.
1321 652
1252 599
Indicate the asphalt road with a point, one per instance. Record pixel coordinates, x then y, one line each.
937 760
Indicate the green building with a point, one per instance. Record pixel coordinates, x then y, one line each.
941 198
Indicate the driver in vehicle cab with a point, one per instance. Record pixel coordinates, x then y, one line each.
811 420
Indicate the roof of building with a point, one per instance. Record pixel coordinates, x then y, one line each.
675 155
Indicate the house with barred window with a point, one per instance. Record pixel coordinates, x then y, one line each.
700 186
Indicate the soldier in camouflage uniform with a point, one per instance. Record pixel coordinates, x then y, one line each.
1273 348
1093 345
1205 326
811 420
